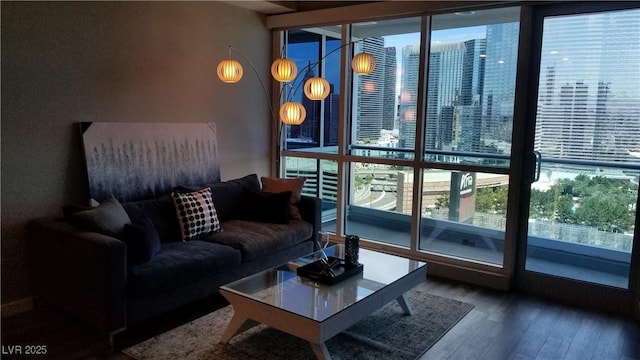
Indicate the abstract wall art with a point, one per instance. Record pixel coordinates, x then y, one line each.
134 161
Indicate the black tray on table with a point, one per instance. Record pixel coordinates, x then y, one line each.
316 271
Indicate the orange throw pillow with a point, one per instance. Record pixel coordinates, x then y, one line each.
277 185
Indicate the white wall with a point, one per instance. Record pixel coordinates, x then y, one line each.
66 62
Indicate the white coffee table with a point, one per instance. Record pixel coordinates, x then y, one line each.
316 312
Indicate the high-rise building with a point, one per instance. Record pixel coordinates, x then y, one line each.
470 91
603 146
309 131
444 90
389 97
331 107
368 99
501 60
592 115
408 99
473 72
469 106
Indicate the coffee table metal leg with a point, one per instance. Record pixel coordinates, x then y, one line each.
321 351
404 304
237 325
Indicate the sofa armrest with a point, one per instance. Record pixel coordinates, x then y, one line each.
83 272
311 211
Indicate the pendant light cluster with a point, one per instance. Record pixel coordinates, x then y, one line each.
285 70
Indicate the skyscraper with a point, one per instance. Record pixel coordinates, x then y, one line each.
309 131
368 99
444 90
408 101
389 97
331 107
499 82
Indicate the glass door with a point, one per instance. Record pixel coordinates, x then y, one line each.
586 153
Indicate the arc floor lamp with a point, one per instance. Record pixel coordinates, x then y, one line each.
285 71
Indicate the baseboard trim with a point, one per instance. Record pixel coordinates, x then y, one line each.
16 307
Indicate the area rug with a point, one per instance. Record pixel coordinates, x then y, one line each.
386 334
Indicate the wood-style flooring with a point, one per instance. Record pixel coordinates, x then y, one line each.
518 326
501 326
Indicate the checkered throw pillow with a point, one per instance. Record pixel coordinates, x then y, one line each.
196 213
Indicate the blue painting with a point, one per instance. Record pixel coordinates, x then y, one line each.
134 161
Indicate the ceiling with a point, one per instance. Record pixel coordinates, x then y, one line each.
282 7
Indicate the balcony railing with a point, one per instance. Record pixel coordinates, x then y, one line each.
590 252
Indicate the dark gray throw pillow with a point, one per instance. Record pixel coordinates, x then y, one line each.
160 211
226 194
266 207
143 241
108 218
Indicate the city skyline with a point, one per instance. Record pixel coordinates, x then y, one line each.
471 90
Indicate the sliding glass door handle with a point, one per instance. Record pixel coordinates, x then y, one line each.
536 163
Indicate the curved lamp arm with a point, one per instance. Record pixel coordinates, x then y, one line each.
277 127
264 88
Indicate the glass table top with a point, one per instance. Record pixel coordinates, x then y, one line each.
282 288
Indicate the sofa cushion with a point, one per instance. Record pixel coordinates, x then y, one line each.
265 207
161 212
276 185
108 218
227 194
196 214
256 239
179 264
143 241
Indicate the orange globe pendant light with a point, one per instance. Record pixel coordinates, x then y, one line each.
284 70
363 63
317 88
292 113
230 71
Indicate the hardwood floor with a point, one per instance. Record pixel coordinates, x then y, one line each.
518 326
501 326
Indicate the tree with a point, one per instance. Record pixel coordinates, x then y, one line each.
492 200
606 211
443 201
541 204
604 203
598 201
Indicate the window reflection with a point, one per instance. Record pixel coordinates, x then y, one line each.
319 131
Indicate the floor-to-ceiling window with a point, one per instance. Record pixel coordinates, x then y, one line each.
381 132
467 135
419 155
316 53
462 119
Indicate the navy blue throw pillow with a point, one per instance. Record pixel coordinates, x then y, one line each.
266 207
143 241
